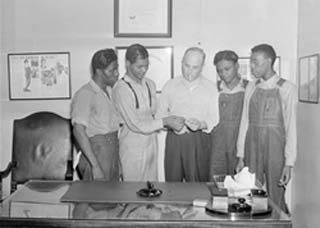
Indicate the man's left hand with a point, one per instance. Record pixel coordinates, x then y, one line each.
193 124
285 176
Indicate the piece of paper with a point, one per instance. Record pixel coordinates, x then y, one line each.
241 183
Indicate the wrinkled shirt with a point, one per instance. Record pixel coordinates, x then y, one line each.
197 99
137 119
92 108
289 101
238 88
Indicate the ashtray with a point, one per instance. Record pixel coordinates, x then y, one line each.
150 191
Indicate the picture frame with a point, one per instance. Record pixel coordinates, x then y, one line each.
245 71
143 18
309 78
39 76
160 64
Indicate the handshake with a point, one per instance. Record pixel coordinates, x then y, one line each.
176 123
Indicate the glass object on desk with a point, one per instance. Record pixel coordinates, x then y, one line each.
225 201
36 194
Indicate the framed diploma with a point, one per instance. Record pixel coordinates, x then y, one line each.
142 18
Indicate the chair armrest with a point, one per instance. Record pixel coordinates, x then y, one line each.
5 173
69 173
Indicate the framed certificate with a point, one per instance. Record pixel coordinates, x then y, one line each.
142 18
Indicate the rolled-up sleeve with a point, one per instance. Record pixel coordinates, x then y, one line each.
80 107
290 101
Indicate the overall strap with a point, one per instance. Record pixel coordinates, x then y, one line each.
149 94
280 82
134 93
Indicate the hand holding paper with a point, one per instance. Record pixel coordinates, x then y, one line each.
194 124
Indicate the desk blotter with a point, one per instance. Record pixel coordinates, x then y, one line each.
126 192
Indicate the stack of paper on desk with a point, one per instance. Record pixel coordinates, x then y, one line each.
241 184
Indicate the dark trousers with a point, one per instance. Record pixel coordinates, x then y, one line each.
106 149
187 157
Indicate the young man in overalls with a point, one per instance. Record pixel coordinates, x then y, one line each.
231 89
267 137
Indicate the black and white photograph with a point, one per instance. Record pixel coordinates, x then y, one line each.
159 113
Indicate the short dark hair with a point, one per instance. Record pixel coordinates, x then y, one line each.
225 55
266 49
102 59
135 51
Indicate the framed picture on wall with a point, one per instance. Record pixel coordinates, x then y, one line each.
36 76
142 18
309 78
160 64
245 71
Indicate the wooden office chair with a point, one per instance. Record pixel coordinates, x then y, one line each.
42 148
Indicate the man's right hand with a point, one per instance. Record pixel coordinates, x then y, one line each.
240 165
174 122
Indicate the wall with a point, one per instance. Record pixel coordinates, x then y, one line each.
1 67
81 27
306 185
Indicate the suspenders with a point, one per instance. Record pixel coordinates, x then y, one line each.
281 81
135 94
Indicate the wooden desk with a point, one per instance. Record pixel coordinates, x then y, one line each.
32 207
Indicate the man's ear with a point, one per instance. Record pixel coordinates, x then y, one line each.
237 65
270 61
99 71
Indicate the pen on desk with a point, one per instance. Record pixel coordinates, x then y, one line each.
216 184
